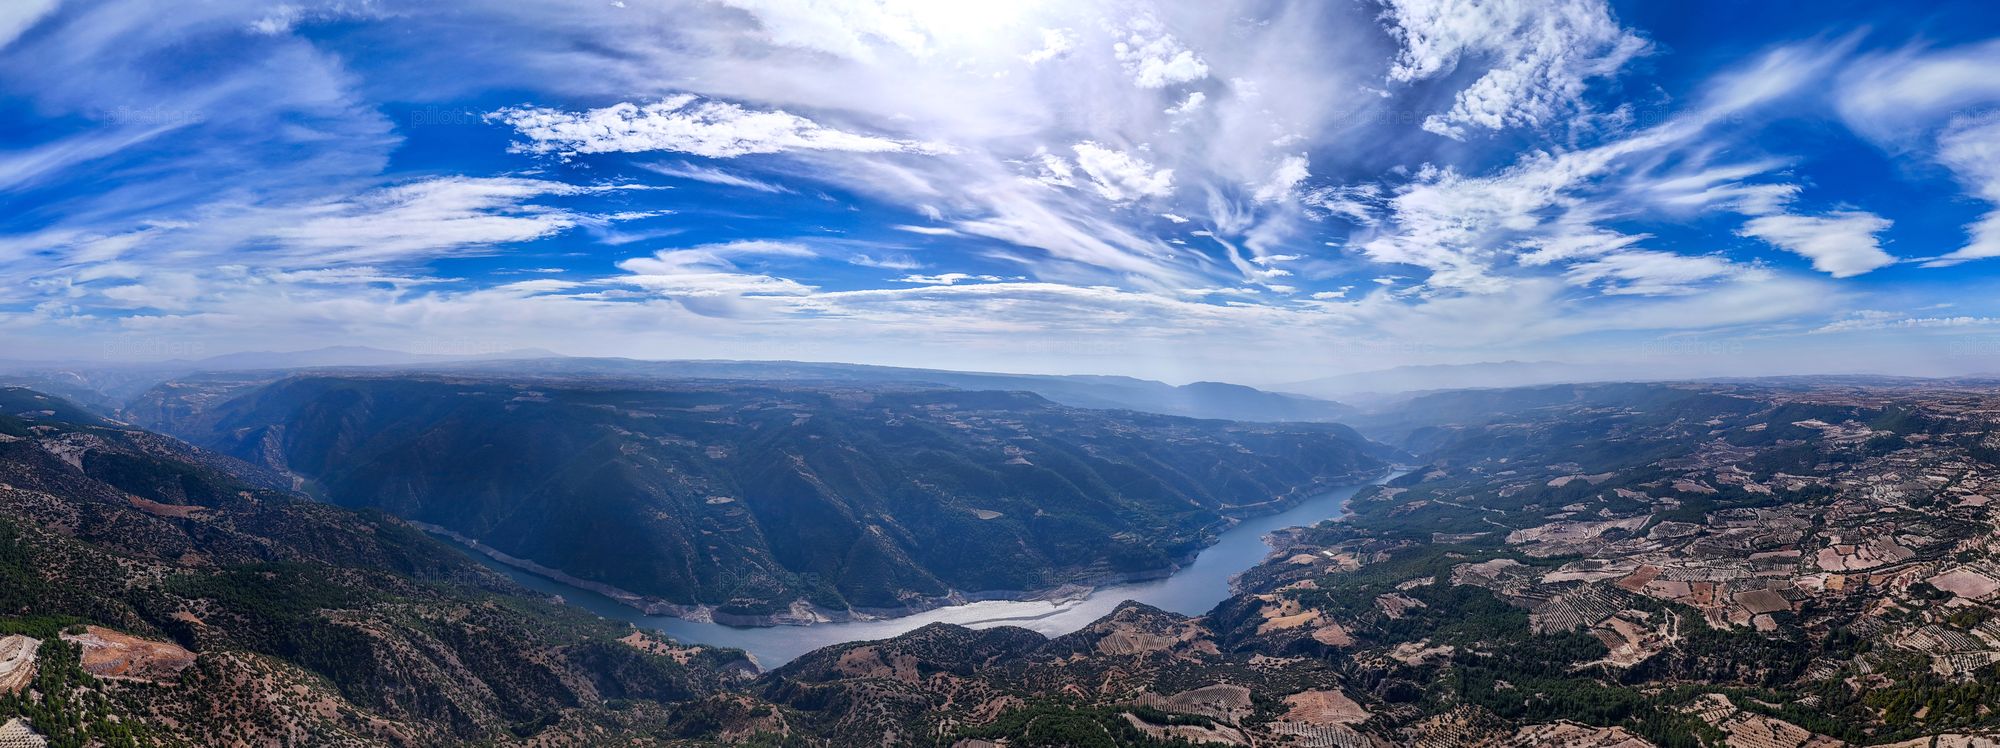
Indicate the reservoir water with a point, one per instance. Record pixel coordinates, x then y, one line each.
1192 591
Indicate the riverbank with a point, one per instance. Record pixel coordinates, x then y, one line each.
1193 589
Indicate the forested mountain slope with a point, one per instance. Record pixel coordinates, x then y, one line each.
171 602
755 502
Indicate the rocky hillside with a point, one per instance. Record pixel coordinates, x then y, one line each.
1791 564
754 502
152 594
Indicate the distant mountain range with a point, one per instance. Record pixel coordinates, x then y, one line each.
110 386
1197 400
107 385
1450 377
349 355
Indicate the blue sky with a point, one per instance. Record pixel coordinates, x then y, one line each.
1258 191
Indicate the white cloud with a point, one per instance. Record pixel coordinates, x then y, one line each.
451 215
1155 59
29 167
1356 203
1070 237
1291 170
1055 43
927 230
1056 171
1899 97
686 124
1541 56
1879 320
831 99
885 262
1841 244
1546 208
1906 98
712 175
946 279
354 274
1971 149
1577 243
1120 176
1694 190
17 16
689 281
1189 105
707 281
757 247
1649 273
879 30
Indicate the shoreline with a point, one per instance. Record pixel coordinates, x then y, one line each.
804 613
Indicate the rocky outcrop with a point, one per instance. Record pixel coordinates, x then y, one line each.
110 654
17 662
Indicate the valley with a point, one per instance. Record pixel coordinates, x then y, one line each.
1190 590
1781 562
773 502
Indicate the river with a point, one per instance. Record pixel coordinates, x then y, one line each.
1192 591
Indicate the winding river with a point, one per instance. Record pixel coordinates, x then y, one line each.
1192 591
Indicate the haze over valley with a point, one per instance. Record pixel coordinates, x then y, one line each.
1026 374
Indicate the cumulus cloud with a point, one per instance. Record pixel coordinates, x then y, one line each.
1155 58
1540 56
1841 244
1119 175
1189 105
686 124
1055 43
1291 170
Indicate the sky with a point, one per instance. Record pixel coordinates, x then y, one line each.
1249 190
